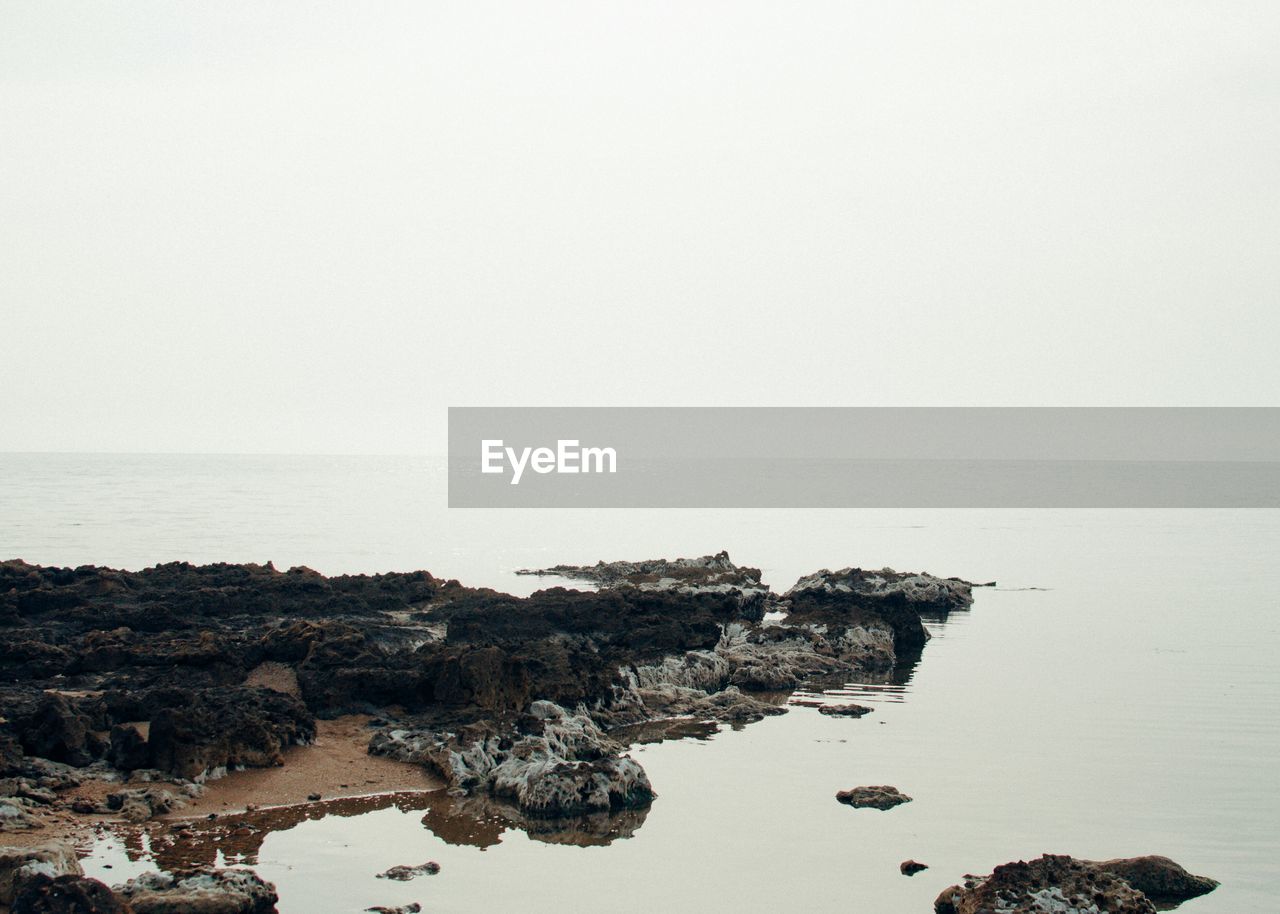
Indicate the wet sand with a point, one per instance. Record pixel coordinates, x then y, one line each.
336 765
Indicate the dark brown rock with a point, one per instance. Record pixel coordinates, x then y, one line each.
224 728
880 797
844 710
67 895
1159 878
1069 886
212 891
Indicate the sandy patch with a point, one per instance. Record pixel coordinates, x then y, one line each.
337 764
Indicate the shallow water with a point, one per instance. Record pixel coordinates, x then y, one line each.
1127 706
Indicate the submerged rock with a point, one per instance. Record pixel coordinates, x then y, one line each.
844 710
405 873
880 797
411 908
1064 885
201 892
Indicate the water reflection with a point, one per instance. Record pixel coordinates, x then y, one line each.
480 821
891 687
237 839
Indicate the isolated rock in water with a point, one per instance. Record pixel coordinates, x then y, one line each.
911 867
66 895
1159 878
850 606
844 710
405 873
852 597
876 797
708 574
660 574
204 892
18 864
411 908
922 591
1064 885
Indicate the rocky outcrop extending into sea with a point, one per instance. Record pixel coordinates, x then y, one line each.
158 681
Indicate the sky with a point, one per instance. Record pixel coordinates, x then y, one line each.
310 228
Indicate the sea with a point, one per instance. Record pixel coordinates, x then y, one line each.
1116 693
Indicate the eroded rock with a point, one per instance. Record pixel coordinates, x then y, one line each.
562 764
195 670
18 864
1159 878
849 710
405 873
710 573
880 797
204 892
67 895
1065 885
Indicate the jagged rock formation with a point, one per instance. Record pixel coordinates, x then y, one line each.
202 892
708 574
1065 885
509 698
47 879
560 764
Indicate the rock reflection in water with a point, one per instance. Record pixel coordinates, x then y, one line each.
188 843
471 821
481 821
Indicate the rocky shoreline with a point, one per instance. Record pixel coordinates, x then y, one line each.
158 682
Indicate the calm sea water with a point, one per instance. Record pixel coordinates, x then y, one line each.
1118 694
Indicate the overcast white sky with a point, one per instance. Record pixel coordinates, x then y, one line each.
304 227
